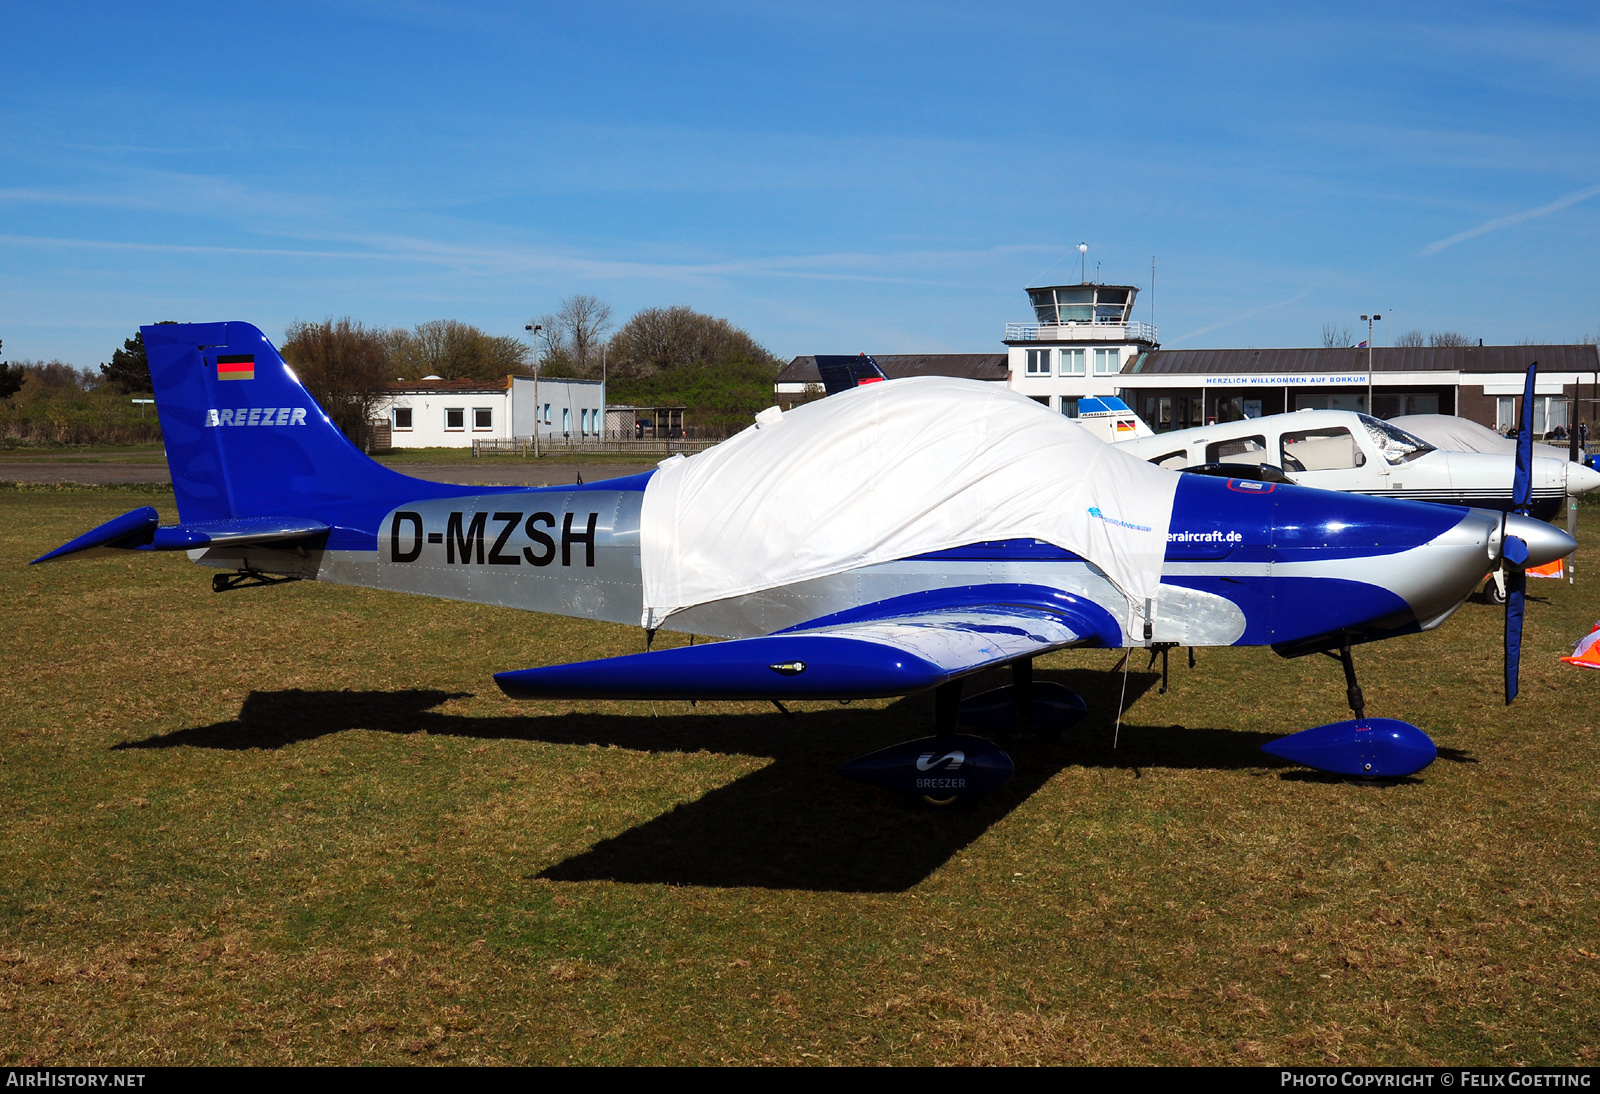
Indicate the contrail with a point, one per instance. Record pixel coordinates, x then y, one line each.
1251 314
1515 218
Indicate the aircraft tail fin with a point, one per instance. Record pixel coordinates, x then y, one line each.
841 373
243 436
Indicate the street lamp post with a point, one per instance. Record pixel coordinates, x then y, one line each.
1369 320
538 411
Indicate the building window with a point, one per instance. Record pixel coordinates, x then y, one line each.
1549 411
402 417
583 421
1387 405
547 414
1075 305
455 417
1357 403
566 419
1072 362
1107 362
482 417
1042 400
1069 404
1038 362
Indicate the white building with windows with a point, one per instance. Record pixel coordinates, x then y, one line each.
1081 338
436 413
561 410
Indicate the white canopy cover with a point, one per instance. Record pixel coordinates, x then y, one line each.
890 470
1455 434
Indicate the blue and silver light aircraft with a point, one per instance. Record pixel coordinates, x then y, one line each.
268 490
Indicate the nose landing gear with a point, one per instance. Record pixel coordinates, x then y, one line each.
1363 747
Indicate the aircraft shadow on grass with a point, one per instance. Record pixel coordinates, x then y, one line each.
793 824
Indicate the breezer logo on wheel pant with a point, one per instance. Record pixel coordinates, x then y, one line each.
952 759
469 539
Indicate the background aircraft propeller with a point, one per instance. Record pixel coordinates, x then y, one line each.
1513 550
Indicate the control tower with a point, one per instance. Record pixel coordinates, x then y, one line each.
1081 337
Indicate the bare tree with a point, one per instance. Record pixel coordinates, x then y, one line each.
423 350
1448 338
555 359
345 367
54 375
1336 336
455 351
581 324
1411 338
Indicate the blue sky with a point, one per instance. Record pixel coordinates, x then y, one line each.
832 177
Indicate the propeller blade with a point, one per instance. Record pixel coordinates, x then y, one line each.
1516 556
1515 550
1516 585
1522 483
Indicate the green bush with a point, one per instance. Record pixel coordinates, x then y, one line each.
53 408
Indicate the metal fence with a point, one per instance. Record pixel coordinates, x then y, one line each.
523 446
1098 331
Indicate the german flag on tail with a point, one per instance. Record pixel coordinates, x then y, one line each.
236 366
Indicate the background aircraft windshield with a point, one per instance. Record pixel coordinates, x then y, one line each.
1396 444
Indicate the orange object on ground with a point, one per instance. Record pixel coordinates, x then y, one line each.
1587 652
1549 569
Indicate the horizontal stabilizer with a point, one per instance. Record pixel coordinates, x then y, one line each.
124 533
897 653
140 530
239 532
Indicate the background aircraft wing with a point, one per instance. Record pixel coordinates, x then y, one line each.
895 652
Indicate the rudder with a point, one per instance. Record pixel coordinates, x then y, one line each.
243 436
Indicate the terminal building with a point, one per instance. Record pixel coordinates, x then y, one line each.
1084 342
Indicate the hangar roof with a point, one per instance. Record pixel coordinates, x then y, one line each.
450 387
966 366
1578 358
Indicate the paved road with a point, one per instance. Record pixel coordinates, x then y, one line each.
489 472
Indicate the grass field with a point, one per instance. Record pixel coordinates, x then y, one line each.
300 824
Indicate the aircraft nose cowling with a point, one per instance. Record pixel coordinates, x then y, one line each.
1546 542
1405 564
1581 479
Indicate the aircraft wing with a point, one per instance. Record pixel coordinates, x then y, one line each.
893 653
